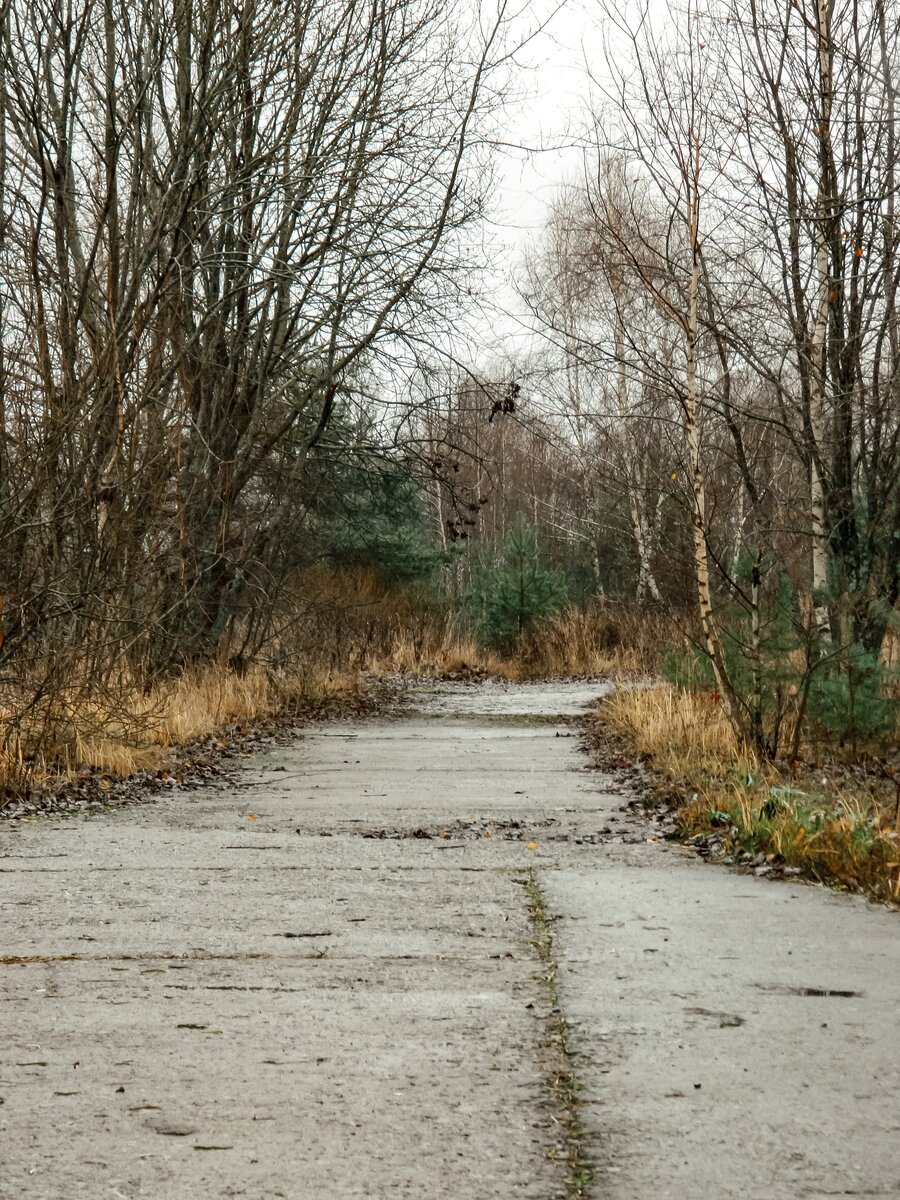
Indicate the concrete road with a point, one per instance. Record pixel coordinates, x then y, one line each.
321 981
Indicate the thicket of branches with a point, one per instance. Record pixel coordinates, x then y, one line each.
720 296
221 223
215 216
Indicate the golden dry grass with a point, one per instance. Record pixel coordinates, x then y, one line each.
827 822
337 628
601 640
429 643
350 620
683 732
129 729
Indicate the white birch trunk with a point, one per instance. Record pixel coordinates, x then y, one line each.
698 487
635 473
817 375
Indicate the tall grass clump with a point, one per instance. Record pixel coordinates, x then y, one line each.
126 727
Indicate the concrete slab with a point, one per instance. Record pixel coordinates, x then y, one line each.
318 981
735 1038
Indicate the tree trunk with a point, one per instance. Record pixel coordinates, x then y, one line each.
698 486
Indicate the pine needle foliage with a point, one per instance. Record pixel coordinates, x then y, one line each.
507 595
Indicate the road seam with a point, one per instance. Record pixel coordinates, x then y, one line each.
562 1082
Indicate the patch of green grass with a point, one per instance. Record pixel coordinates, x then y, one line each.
841 840
835 823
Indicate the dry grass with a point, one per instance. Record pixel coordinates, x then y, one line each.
199 702
683 733
833 823
431 644
129 729
348 620
335 630
601 640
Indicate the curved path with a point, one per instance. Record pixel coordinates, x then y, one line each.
320 981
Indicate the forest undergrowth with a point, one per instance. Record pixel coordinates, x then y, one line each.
828 815
342 633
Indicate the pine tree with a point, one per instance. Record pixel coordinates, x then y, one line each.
516 590
854 700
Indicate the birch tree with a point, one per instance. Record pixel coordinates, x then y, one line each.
810 107
592 318
658 128
756 211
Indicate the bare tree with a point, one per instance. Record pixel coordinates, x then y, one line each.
811 110
738 224
218 218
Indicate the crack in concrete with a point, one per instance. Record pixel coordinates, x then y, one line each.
562 1083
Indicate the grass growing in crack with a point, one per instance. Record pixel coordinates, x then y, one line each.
563 1085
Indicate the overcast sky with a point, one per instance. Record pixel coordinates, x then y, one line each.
542 130
556 86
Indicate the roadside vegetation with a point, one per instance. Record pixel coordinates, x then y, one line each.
829 814
352 632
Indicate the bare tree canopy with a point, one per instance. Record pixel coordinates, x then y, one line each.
215 216
723 288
